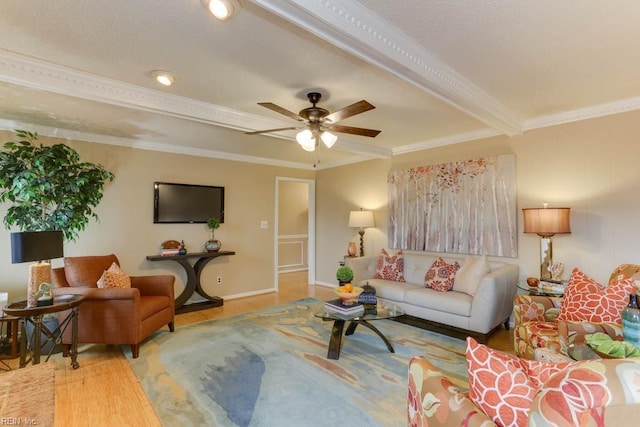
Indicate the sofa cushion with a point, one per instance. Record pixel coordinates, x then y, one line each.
392 290
457 303
390 267
587 300
114 277
470 274
441 275
84 271
504 386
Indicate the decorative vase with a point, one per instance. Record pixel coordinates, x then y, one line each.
631 321
351 249
212 245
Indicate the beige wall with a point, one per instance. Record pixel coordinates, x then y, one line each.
126 218
590 166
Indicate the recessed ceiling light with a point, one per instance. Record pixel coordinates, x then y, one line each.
165 78
222 9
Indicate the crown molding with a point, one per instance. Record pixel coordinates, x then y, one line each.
447 140
355 29
28 72
588 113
11 125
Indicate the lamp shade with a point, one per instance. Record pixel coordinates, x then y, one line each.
361 219
36 246
547 221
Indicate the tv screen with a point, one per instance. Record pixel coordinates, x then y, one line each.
186 203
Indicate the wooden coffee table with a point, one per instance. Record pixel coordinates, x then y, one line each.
371 314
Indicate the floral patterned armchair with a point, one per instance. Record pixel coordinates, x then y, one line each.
537 327
590 393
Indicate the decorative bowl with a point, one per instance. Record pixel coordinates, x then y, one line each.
349 298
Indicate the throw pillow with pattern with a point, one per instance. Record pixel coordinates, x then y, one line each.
586 300
441 275
390 267
503 385
114 277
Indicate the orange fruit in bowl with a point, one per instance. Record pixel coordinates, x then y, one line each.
348 287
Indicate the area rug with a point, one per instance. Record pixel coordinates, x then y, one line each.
270 368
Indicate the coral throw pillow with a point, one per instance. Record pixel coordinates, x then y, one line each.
504 386
441 275
114 277
390 267
585 300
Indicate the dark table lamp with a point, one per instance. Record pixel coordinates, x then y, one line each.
546 222
40 246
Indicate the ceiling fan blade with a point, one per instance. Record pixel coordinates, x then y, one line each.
353 130
271 130
279 109
351 110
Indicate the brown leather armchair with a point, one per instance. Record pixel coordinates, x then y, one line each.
116 315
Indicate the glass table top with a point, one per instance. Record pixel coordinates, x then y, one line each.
377 312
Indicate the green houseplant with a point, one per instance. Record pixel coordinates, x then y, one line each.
344 275
213 245
48 186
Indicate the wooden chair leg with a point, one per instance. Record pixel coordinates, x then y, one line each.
66 350
135 350
506 324
171 327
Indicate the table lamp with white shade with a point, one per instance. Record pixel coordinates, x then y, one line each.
361 219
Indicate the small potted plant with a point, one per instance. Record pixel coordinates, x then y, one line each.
213 245
344 275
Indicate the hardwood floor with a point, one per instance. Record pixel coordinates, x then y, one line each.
104 391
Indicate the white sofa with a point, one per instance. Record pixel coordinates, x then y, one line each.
452 312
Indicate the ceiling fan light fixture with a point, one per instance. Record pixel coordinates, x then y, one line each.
223 9
306 140
165 78
328 138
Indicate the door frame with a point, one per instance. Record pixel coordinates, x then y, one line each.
311 228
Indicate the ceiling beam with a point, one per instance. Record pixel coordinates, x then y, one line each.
358 31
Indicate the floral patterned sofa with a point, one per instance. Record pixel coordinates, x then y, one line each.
543 322
601 392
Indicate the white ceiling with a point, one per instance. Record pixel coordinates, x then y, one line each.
438 71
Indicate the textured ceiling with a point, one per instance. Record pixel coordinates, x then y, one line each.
438 72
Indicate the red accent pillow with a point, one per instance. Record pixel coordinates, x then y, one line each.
585 300
503 385
390 267
441 275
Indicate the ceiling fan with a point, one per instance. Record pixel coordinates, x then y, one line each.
318 122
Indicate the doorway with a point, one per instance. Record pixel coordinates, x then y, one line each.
294 230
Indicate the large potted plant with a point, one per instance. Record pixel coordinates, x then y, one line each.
49 188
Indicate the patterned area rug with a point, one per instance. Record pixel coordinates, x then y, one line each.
270 368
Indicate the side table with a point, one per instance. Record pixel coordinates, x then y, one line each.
539 291
193 284
30 348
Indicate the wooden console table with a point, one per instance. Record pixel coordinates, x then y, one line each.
193 279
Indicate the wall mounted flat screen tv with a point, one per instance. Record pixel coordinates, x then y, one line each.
186 203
